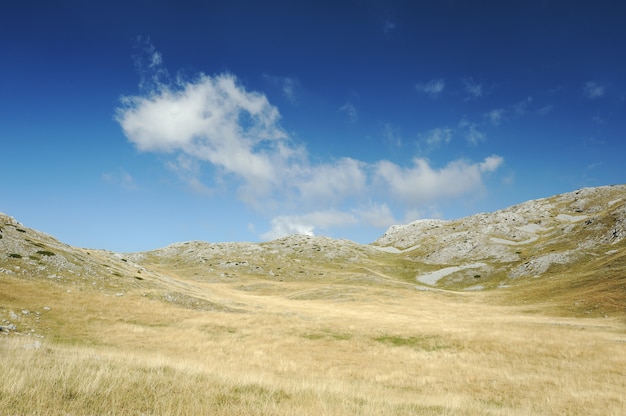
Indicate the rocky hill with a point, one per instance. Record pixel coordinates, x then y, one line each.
569 249
523 240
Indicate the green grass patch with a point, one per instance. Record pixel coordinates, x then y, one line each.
40 245
420 342
45 253
327 334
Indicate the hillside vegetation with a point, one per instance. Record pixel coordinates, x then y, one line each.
516 312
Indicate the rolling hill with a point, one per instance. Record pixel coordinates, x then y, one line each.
479 315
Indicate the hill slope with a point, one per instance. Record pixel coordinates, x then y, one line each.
312 325
569 249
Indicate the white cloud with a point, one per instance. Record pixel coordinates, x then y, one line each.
377 215
433 88
215 120
594 90
473 89
330 183
286 225
306 224
212 119
422 184
350 110
490 164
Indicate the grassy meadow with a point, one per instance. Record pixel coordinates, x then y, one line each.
335 346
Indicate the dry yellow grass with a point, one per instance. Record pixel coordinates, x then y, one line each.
308 348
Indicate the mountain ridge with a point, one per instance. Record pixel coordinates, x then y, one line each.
565 237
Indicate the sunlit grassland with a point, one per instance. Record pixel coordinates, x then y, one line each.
307 348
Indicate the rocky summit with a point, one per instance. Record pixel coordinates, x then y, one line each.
577 229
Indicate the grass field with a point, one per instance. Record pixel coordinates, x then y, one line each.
326 347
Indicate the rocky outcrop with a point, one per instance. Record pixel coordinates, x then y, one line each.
525 240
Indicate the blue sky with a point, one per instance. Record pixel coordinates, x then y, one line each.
132 125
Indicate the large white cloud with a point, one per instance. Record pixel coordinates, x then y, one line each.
332 182
422 184
212 119
376 215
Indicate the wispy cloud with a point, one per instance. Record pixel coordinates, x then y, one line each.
432 88
473 89
545 110
436 137
188 170
593 90
475 136
350 110
289 86
495 116
471 132
148 64
212 123
388 27
120 178
598 120
392 134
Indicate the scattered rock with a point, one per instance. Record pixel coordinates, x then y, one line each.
8 328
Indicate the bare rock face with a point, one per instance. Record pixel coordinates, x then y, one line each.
525 240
